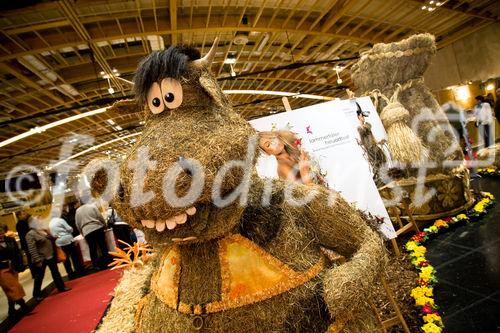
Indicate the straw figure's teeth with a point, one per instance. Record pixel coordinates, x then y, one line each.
169 223
160 226
148 223
191 211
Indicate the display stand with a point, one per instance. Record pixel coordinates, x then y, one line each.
398 318
407 207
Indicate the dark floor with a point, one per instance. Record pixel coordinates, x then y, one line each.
467 262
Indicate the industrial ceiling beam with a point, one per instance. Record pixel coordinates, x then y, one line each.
173 20
67 8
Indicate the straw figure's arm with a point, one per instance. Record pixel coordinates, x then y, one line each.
339 227
132 287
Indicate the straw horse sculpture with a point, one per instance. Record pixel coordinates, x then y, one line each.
253 264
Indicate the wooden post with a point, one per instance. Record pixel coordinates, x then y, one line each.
409 211
395 306
395 247
380 322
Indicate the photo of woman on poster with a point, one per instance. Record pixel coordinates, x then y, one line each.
371 150
293 162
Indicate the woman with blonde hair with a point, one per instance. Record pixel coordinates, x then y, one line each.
294 163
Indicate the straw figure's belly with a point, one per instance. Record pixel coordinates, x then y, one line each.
301 309
237 287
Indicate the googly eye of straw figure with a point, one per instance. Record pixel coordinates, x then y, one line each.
242 255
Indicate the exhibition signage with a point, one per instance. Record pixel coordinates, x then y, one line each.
326 135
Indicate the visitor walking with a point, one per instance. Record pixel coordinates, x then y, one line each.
11 263
484 118
42 255
22 228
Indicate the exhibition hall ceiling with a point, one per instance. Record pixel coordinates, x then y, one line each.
60 59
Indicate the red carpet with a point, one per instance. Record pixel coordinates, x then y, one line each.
76 311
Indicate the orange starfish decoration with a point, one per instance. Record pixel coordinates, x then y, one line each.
134 255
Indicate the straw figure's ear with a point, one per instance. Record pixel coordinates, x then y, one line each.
104 178
125 106
207 81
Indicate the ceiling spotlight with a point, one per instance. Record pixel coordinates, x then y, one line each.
490 86
102 73
337 70
438 3
115 70
233 73
111 90
424 7
430 9
431 2
231 59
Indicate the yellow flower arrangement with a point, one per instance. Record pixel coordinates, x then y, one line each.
423 296
418 260
422 301
411 245
433 229
488 171
488 195
431 328
433 318
425 276
418 251
440 224
424 293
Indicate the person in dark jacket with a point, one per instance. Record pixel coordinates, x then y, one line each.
11 263
490 100
42 255
497 105
121 230
69 215
22 228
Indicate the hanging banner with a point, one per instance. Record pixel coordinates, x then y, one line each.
321 144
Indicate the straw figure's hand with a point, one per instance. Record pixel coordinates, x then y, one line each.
339 227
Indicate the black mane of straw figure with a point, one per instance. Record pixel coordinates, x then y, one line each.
232 253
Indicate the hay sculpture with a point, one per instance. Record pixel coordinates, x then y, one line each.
392 74
234 268
490 156
419 133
